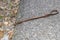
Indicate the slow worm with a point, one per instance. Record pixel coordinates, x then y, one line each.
53 12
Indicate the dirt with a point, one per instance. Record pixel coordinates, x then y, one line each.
8 12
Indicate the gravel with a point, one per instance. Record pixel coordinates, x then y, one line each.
39 29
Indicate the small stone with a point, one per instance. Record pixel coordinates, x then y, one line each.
6 23
16 1
5 37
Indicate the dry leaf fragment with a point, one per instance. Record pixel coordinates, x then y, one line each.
10 33
0 24
1 34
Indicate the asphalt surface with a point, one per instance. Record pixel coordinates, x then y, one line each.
39 29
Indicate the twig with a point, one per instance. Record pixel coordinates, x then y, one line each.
53 12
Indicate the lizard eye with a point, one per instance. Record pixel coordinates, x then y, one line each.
54 12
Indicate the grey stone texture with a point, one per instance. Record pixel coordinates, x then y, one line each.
39 29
